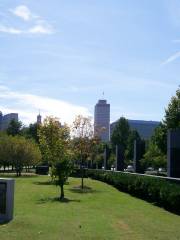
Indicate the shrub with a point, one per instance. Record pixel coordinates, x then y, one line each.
159 191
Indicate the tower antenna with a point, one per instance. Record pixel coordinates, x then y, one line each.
103 94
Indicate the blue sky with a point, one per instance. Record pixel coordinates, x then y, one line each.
59 56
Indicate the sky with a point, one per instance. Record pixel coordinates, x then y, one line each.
59 56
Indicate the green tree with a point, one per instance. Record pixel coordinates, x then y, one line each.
18 152
31 131
83 137
54 145
159 138
5 151
172 113
14 128
154 157
24 153
129 153
120 133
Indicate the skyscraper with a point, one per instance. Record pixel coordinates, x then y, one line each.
102 120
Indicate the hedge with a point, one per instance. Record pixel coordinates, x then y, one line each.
155 190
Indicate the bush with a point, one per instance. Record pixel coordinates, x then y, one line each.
159 191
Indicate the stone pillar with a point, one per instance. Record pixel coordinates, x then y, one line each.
173 153
139 150
6 200
106 157
119 158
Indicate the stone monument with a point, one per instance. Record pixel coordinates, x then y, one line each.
6 199
139 150
173 153
119 158
106 157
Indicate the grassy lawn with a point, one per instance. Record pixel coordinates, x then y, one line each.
101 212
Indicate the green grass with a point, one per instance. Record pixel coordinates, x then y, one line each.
100 212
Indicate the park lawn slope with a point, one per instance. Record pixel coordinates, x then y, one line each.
100 212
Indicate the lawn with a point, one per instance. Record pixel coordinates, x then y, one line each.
101 212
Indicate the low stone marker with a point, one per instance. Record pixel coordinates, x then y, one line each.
119 158
139 150
6 199
173 154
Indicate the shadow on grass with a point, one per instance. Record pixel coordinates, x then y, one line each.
13 175
86 189
44 183
48 183
56 199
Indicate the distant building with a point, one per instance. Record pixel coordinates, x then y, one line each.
39 119
144 128
6 119
102 120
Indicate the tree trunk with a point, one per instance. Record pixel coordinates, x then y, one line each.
62 192
82 177
82 182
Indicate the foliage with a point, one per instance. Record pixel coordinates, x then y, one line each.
159 138
154 157
129 153
157 149
172 113
18 152
83 140
31 131
54 144
120 133
14 128
153 189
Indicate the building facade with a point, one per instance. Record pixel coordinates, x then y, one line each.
102 120
144 128
6 119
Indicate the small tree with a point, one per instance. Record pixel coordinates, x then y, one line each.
54 142
82 131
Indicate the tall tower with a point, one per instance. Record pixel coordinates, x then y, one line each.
102 120
39 119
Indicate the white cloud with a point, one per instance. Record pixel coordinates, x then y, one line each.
171 58
23 12
41 29
10 30
39 25
28 105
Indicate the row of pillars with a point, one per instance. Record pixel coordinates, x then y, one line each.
173 155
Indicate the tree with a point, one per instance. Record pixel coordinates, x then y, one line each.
159 138
31 131
154 157
18 152
120 133
14 128
54 143
5 151
172 113
24 153
129 153
82 131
